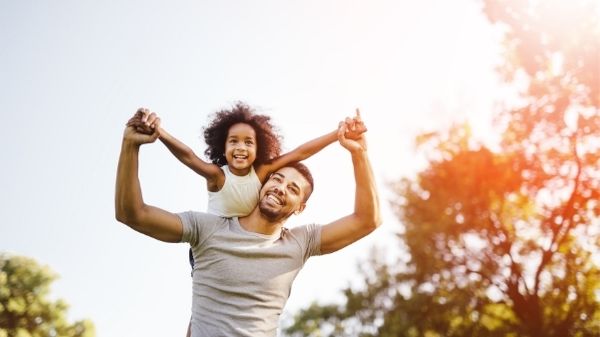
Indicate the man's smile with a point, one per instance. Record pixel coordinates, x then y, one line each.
274 198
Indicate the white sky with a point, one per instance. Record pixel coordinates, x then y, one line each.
72 73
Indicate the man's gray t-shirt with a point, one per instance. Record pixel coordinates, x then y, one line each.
242 279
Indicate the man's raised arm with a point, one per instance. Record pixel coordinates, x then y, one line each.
130 208
366 216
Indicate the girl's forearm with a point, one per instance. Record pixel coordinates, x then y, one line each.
311 147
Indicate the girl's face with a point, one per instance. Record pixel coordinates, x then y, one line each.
240 148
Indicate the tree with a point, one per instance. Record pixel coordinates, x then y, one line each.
25 310
501 240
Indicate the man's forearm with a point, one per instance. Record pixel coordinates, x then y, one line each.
130 208
365 218
366 204
128 195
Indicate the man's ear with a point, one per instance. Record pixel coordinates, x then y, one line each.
300 209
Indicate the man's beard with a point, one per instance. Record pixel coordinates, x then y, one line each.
271 214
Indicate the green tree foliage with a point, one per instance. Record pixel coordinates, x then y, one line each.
502 241
25 310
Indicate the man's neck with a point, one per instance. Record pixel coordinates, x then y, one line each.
256 222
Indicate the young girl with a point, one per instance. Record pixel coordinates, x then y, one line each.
243 149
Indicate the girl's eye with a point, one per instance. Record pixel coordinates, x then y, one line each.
249 142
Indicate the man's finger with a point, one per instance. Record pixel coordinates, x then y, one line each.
350 122
360 127
342 131
134 121
151 118
143 112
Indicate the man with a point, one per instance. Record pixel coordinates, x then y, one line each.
245 267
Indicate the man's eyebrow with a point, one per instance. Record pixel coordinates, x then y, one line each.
279 174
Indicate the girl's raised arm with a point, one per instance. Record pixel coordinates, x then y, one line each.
212 172
355 126
300 153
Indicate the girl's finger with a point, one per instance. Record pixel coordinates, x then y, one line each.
155 125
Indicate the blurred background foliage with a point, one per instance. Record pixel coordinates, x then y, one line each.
25 307
503 239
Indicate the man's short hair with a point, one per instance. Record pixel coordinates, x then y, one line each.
305 172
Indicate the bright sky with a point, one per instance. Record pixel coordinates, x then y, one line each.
72 73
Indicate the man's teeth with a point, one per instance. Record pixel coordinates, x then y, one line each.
274 199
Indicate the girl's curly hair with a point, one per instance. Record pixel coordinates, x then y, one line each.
268 142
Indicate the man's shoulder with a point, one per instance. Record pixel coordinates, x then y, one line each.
303 228
302 232
197 226
202 217
307 238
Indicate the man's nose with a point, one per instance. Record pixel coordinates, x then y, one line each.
278 190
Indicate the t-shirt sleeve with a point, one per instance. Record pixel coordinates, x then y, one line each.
309 239
197 226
